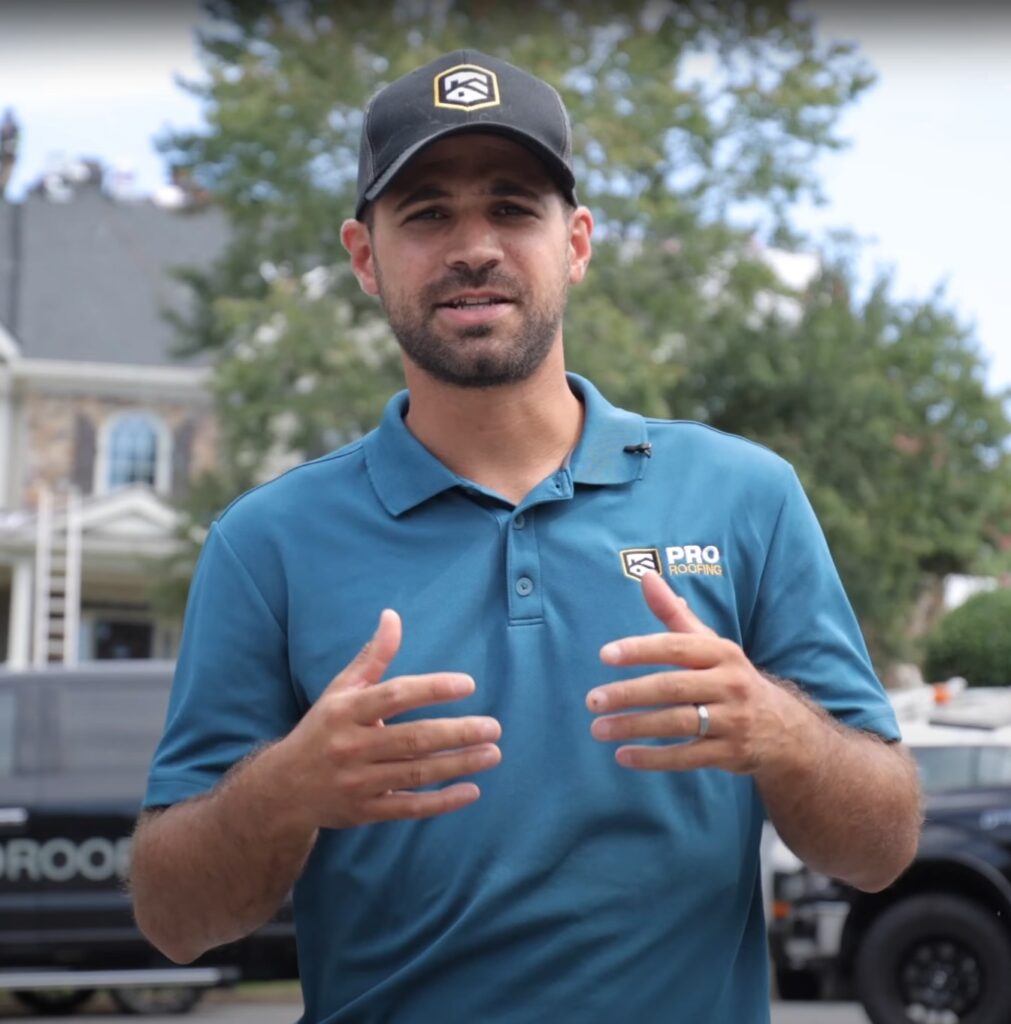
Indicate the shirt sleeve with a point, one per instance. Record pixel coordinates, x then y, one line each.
232 689
803 627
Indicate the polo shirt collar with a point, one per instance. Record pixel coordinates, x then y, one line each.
404 473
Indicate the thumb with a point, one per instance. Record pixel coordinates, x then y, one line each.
369 664
671 610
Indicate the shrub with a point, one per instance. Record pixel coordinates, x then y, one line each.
973 641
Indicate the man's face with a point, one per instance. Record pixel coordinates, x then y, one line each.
472 254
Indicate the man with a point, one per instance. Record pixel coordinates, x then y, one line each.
588 615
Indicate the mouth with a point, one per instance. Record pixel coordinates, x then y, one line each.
475 301
475 307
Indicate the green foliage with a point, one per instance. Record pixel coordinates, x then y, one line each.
696 128
973 641
883 410
675 120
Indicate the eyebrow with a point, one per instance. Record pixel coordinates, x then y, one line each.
501 188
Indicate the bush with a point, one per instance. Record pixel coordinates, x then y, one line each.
973 641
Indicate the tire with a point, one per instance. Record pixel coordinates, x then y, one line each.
54 1001
156 1000
939 959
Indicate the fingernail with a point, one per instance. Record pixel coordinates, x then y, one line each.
611 651
597 700
602 729
625 757
462 685
488 731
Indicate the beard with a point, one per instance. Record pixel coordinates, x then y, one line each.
464 359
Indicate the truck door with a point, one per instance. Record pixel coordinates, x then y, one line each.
20 746
106 730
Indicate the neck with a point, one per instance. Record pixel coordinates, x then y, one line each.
505 438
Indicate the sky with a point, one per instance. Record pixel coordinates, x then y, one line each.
923 182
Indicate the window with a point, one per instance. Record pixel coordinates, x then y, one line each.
8 706
963 767
133 449
109 728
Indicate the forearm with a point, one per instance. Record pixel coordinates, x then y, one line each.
212 869
846 802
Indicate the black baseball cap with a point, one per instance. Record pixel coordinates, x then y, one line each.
462 91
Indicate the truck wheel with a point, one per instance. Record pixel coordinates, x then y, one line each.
160 999
54 1001
935 958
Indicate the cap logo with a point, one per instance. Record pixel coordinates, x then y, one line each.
466 87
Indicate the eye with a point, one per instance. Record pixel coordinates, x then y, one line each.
428 213
513 210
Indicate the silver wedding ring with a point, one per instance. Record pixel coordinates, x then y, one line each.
703 720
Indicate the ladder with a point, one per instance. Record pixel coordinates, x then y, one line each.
57 611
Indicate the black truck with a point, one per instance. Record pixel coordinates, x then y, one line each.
74 750
935 947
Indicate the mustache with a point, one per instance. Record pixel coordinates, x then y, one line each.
466 277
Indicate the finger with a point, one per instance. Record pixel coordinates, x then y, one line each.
369 664
427 771
681 757
691 650
406 693
396 805
673 687
682 721
672 610
416 739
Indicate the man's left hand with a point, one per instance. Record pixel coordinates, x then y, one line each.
752 721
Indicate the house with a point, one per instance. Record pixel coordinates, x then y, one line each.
101 427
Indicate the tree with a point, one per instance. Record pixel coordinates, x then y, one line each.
663 152
696 126
973 641
882 408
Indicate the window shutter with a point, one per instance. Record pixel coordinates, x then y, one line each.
83 469
182 447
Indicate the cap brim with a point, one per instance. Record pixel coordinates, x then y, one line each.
556 167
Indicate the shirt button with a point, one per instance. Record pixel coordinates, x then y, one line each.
519 521
524 586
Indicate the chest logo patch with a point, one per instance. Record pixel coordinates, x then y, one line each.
678 559
636 562
466 87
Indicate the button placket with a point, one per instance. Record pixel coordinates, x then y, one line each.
523 569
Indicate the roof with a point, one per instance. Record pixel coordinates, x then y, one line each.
88 279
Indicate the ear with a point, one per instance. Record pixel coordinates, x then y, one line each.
580 247
357 240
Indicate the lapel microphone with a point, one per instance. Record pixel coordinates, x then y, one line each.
640 449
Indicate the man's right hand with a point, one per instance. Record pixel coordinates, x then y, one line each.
346 767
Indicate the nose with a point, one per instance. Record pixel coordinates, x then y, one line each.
473 245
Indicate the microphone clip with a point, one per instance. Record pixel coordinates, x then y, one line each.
645 448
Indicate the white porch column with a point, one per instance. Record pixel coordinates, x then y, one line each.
7 500
19 631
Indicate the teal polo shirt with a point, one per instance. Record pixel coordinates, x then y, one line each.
573 890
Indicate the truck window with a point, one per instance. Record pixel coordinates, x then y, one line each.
944 767
112 727
8 710
995 766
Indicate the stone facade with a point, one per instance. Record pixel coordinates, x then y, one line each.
55 428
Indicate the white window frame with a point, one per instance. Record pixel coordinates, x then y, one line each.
163 453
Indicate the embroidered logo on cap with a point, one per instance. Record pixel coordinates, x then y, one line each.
636 562
466 87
